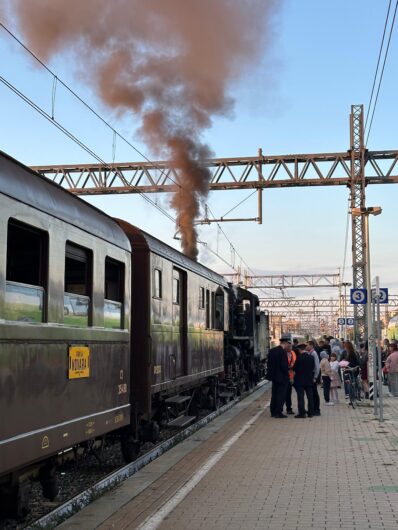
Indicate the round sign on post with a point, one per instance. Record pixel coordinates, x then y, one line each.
383 296
358 296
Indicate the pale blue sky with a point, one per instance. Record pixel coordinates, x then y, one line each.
297 100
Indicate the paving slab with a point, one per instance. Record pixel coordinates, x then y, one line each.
249 471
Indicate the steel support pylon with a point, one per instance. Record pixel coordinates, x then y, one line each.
357 226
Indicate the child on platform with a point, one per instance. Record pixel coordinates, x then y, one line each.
326 373
335 378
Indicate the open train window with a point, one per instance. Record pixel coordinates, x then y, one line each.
26 274
157 283
78 285
114 289
114 280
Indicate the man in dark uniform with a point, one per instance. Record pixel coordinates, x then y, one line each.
304 370
277 372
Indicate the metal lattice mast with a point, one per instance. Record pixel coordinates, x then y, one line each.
357 223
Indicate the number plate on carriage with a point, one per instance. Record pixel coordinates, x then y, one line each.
79 362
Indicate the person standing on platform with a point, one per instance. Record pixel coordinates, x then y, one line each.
304 369
392 369
278 373
335 382
317 403
291 359
326 374
363 361
352 360
385 352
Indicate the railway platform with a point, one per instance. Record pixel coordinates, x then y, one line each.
246 470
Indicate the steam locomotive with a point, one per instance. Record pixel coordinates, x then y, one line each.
104 329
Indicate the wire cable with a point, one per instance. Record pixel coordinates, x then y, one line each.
239 203
378 63
234 252
382 71
72 137
85 104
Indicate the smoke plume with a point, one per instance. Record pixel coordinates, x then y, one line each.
170 62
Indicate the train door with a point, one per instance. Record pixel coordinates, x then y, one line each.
179 321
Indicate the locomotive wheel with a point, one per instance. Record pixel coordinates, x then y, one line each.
130 448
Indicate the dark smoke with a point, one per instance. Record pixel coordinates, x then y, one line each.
169 61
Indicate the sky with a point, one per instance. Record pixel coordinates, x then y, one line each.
318 60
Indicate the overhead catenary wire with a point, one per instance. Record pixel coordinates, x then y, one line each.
83 102
239 203
235 253
71 136
382 71
378 63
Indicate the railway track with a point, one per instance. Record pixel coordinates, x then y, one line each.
55 513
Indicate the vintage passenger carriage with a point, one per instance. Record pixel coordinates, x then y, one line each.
65 271
179 314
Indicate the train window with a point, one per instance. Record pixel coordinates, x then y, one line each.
207 309
219 310
213 312
114 280
78 267
26 254
26 273
176 290
114 288
157 284
201 297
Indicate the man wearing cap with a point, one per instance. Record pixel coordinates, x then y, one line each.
278 373
303 381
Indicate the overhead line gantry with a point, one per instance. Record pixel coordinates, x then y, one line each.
243 173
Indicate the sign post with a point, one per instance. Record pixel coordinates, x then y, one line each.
360 296
379 296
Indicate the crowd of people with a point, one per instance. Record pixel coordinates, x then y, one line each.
306 366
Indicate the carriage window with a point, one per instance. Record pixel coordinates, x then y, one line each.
26 274
78 267
213 312
207 309
219 310
157 285
114 287
176 290
201 298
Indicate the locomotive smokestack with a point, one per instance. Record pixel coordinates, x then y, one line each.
169 62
